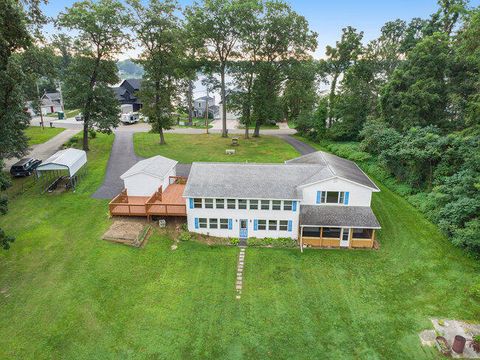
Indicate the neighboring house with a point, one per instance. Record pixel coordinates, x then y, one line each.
200 106
51 103
126 93
320 199
231 115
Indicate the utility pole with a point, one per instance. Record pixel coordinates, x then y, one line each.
40 106
206 112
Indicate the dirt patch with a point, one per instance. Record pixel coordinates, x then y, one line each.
133 232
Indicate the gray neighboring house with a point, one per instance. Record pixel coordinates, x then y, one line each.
200 106
51 103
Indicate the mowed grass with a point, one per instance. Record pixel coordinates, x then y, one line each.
64 293
202 147
37 135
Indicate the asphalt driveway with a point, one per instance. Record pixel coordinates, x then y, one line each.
122 157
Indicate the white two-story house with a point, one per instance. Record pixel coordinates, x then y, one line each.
320 199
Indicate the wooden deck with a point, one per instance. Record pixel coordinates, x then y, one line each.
167 203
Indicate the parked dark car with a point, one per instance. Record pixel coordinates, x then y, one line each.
24 167
79 117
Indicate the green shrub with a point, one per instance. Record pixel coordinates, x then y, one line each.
273 242
92 134
234 241
185 236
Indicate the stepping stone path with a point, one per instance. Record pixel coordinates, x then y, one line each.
239 282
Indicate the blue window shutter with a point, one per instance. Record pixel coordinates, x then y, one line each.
196 223
319 193
289 225
294 206
191 203
229 224
255 224
347 195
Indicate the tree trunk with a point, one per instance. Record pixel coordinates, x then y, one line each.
88 103
331 100
247 135
224 102
190 104
256 132
85 136
162 137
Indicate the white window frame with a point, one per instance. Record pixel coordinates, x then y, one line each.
202 223
219 203
215 221
242 202
262 224
287 205
255 202
263 202
270 223
283 224
234 204
197 203
276 205
223 224
208 203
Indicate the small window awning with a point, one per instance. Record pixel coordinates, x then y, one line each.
338 216
68 159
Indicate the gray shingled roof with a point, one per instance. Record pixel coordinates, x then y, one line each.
337 166
243 180
157 166
338 216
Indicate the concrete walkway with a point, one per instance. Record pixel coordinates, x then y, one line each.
122 157
46 149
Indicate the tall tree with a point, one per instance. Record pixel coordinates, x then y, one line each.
101 36
158 30
339 59
18 20
220 23
285 36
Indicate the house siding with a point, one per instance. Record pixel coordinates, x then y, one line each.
250 215
357 195
145 185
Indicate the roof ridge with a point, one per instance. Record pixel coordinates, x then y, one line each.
327 163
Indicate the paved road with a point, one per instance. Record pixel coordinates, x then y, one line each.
299 145
46 149
122 157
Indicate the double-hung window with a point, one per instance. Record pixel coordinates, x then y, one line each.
223 223
213 223
197 203
272 225
287 205
262 224
332 197
220 203
231 203
208 203
265 204
242 204
283 225
253 204
276 205
202 223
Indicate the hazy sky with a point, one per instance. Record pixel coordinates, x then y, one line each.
328 17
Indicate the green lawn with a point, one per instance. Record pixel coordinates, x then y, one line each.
64 293
37 135
188 148
71 113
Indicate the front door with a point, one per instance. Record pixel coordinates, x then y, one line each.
243 229
345 237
